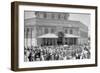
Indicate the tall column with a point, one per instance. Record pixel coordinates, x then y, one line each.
35 37
27 34
31 37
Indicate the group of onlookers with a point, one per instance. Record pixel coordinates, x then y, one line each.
48 53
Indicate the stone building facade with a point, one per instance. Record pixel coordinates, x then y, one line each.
45 26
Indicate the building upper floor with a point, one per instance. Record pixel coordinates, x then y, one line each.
52 22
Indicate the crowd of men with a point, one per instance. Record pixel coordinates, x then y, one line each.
48 53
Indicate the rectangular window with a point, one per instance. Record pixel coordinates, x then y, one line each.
28 32
71 31
66 31
52 30
46 30
53 16
45 15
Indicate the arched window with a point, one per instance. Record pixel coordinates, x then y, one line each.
37 14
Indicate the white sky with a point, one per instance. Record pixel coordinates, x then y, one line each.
84 18
29 14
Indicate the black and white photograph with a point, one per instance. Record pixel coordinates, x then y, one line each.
50 36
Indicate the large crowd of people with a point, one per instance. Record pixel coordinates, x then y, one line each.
62 52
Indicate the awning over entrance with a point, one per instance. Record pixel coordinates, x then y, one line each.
70 36
52 39
49 35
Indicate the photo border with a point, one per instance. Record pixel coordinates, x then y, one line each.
15 34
